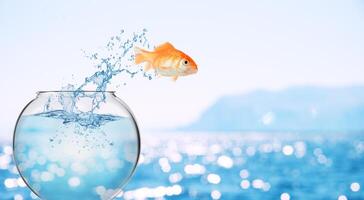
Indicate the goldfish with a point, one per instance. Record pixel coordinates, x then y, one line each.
166 61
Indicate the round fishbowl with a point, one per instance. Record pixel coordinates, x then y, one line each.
76 145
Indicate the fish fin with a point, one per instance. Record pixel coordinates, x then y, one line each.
164 46
174 78
140 55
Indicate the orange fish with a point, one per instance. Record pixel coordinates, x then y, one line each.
166 61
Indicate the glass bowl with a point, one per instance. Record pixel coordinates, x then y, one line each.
76 145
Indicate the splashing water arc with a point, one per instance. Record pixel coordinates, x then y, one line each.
117 59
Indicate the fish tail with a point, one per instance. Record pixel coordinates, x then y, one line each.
140 55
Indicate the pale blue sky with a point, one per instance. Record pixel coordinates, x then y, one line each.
239 46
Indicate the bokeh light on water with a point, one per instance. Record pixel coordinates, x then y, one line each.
234 166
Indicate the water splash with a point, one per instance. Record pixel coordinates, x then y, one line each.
117 58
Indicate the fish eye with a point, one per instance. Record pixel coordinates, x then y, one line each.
185 62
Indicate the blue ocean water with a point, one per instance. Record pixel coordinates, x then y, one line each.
234 166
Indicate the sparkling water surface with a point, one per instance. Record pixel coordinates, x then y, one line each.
232 166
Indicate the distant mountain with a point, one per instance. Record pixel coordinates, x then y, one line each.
293 109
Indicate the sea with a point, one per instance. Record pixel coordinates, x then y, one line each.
206 165
239 165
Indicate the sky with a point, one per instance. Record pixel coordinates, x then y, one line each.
239 46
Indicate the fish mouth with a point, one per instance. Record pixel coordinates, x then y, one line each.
194 68
192 71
